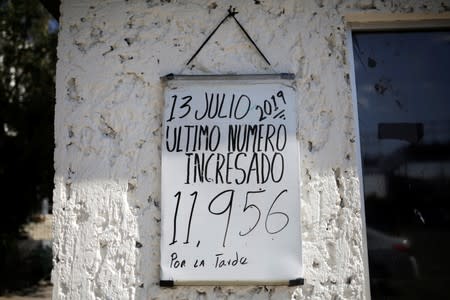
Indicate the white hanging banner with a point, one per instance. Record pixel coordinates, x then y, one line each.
230 203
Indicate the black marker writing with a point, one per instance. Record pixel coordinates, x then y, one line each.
228 208
275 220
234 168
185 107
196 138
218 105
175 217
256 138
221 261
271 108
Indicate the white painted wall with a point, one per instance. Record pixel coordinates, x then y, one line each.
108 133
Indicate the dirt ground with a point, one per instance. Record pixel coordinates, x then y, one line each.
41 292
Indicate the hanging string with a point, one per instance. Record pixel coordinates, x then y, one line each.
231 13
251 40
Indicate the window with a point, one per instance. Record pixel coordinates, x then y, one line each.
403 95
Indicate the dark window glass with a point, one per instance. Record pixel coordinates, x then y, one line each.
403 94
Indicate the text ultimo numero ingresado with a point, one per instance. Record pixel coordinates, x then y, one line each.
254 152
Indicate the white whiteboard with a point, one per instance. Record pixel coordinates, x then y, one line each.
230 204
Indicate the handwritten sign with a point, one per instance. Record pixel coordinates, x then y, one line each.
230 189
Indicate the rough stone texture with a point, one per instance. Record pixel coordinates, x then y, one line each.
108 133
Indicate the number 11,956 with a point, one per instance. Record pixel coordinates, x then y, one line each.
222 204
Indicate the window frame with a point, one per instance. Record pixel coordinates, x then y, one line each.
379 22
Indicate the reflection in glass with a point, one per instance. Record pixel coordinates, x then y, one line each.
403 93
